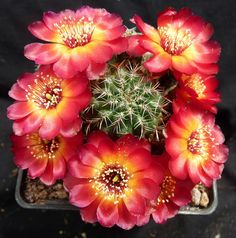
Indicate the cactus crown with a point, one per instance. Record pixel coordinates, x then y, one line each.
125 101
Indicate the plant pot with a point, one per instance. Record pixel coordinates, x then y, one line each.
65 205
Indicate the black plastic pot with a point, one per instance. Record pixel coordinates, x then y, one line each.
65 205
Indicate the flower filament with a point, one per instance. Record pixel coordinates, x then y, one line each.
167 190
198 142
42 148
74 32
196 83
174 41
112 181
46 93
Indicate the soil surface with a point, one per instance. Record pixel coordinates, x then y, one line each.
36 192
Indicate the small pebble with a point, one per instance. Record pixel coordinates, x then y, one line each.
204 200
196 196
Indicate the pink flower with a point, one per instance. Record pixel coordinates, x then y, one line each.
195 145
44 159
78 41
180 42
111 182
47 103
174 194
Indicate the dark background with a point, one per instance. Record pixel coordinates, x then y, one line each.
15 15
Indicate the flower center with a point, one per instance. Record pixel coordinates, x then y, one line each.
174 41
41 148
46 93
75 32
112 181
198 141
196 83
167 190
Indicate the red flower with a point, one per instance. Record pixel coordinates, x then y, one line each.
195 145
48 103
44 159
198 90
174 194
112 181
78 41
180 42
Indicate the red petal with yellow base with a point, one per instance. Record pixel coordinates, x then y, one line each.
195 145
77 40
197 90
44 159
180 42
48 103
174 194
112 181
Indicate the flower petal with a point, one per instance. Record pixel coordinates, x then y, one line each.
158 63
67 109
19 110
136 161
99 53
29 124
135 48
154 172
135 203
220 154
207 68
59 167
89 156
43 53
126 220
119 45
64 68
95 70
82 195
161 214
50 18
96 137
146 29
37 168
148 188
182 64
39 30
17 93
71 129
75 87
178 166
212 169
182 196
129 143
51 125
89 213
175 145
22 157
107 213
47 177
69 182
79 170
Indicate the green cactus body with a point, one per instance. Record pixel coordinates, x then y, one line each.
125 101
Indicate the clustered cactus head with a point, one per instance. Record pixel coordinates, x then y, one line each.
125 119
126 101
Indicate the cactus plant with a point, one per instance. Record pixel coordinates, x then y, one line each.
126 101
